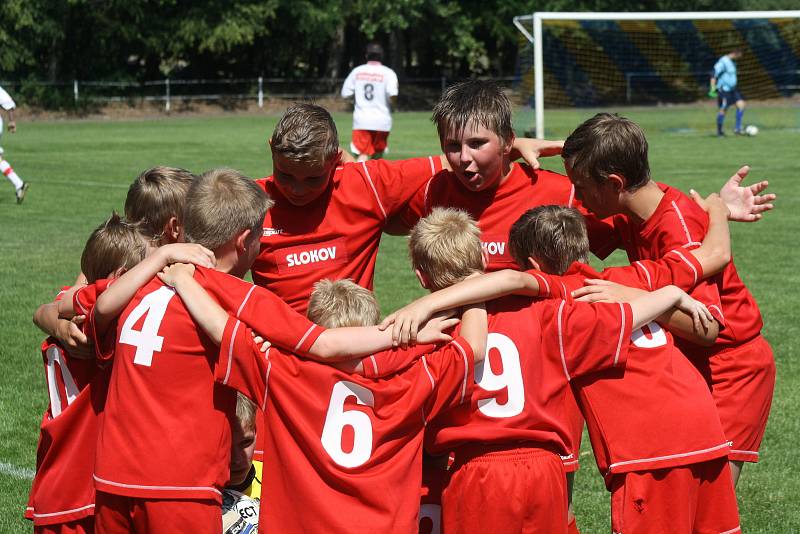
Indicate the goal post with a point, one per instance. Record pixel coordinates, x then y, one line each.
600 59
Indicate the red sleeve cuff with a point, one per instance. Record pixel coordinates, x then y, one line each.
691 262
231 342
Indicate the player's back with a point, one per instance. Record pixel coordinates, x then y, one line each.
372 84
165 432
343 452
679 222
68 432
519 389
657 411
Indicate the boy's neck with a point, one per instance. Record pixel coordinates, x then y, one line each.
639 205
507 168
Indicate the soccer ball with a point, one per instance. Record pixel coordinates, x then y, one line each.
751 130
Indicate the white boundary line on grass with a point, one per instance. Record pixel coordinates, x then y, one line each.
82 182
22 473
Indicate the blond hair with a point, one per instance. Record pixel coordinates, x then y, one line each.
334 304
222 203
446 247
113 245
473 103
555 236
306 133
245 412
155 196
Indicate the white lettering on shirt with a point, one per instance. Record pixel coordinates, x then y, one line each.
311 256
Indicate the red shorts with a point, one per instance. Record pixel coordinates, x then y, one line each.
117 513
692 499
369 142
742 380
506 490
84 525
574 433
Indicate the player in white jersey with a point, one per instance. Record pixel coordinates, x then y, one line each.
8 105
374 87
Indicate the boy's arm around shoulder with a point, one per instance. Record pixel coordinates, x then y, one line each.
111 303
407 320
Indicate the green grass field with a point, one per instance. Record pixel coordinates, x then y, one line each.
80 171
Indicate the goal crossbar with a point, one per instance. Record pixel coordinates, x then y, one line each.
534 35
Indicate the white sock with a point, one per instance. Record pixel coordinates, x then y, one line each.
6 169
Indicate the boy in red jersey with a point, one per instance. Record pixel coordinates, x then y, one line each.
664 461
606 159
508 476
343 452
63 497
62 493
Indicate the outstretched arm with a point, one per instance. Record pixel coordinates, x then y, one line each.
480 288
526 149
652 305
334 344
715 252
746 203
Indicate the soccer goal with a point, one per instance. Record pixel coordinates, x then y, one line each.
616 59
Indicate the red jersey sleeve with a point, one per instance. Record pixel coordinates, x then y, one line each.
550 286
241 365
261 310
394 183
450 370
84 299
587 337
678 267
391 361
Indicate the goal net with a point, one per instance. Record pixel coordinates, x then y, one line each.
618 59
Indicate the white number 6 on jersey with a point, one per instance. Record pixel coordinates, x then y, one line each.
338 418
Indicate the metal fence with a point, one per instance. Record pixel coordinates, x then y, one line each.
415 93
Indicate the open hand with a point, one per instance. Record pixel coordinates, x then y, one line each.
406 322
188 253
435 330
746 203
73 339
701 317
532 149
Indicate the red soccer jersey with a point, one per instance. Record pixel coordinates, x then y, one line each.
534 348
166 433
343 453
679 222
657 413
62 488
337 235
496 210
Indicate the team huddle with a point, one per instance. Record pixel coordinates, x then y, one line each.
185 399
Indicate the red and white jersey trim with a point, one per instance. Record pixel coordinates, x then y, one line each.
374 190
466 369
656 459
64 512
157 488
685 259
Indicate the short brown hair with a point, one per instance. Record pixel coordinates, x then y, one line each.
114 244
306 133
446 247
553 235
474 102
221 203
608 144
155 196
245 412
334 304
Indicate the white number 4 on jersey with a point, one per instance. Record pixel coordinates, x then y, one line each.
147 341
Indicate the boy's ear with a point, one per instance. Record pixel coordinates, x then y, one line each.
423 279
241 241
534 264
617 181
510 145
173 230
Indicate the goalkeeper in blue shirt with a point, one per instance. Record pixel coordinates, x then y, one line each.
723 86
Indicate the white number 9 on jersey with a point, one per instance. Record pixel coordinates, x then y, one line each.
337 418
510 378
